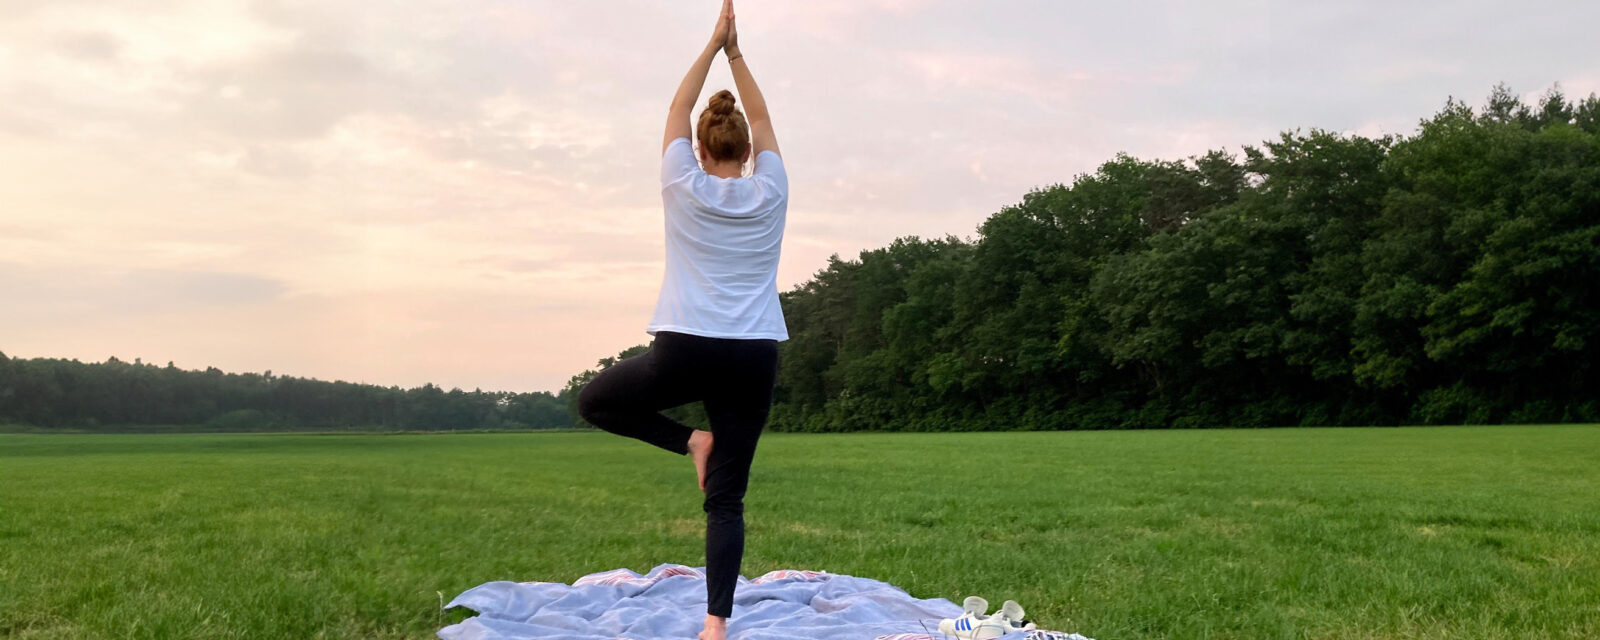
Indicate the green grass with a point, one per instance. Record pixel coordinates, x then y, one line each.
1295 533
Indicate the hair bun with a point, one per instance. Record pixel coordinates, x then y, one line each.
723 103
723 131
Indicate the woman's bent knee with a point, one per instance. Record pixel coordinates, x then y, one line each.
592 405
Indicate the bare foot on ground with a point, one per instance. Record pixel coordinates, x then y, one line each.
700 443
716 628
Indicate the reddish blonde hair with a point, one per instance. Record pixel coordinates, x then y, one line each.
723 132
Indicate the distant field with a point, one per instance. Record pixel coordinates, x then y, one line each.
1490 532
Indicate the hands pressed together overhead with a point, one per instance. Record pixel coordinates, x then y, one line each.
726 34
725 38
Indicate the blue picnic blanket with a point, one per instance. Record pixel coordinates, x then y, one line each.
669 603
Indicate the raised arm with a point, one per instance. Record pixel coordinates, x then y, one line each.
689 90
755 107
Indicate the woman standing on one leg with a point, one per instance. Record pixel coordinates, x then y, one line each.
717 322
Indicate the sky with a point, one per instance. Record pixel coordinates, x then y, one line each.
465 192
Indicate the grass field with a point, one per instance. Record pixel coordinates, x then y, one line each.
1298 533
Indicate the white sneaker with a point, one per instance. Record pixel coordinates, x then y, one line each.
972 625
1014 616
1012 611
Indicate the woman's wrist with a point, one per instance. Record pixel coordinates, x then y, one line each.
734 55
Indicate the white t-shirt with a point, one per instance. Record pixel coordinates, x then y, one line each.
723 240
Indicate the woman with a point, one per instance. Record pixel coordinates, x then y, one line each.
717 322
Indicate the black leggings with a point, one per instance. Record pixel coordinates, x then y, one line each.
735 379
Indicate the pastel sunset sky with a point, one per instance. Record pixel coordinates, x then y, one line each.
465 192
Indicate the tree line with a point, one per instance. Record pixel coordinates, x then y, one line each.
1318 279
116 395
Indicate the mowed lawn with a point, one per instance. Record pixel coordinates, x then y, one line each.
1485 532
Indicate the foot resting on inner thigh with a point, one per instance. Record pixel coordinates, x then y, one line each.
700 449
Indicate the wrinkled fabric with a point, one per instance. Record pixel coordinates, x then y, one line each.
669 603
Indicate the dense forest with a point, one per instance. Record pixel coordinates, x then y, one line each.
1318 279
